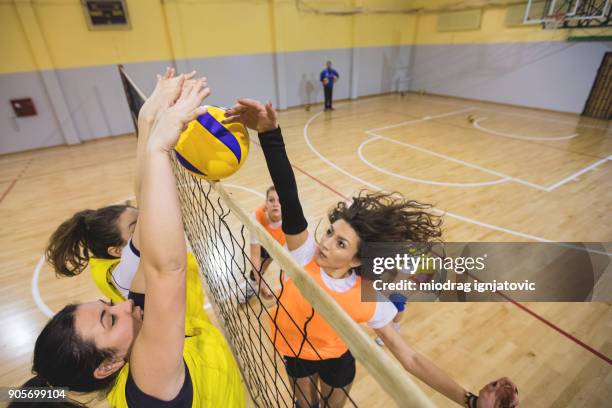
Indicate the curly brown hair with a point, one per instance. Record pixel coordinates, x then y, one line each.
388 217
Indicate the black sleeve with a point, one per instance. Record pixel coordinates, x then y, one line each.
283 178
136 398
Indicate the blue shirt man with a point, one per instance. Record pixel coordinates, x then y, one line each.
327 78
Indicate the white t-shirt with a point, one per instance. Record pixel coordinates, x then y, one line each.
124 272
385 310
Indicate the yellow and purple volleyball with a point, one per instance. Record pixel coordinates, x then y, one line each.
210 149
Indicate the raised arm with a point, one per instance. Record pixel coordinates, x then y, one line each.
166 92
432 375
263 119
156 361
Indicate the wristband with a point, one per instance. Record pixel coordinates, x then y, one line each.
470 400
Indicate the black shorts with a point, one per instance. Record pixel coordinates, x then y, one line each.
263 254
335 372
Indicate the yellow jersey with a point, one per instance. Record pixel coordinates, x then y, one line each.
213 371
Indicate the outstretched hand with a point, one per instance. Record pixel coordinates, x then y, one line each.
501 393
182 109
253 114
166 91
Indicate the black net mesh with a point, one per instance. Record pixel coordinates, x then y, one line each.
218 240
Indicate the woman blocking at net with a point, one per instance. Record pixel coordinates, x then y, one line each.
313 352
108 238
149 358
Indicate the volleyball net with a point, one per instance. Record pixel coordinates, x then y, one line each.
218 231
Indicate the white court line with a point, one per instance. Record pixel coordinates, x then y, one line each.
36 293
519 114
546 189
579 173
439 211
416 180
261 195
477 125
503 177
42 306
250 190
40 303
408 122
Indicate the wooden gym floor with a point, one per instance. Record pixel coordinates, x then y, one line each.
511 174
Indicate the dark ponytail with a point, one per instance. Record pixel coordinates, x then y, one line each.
87 233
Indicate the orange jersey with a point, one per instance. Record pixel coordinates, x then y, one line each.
296 313
276 232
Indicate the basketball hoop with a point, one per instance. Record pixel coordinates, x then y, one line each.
554 21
